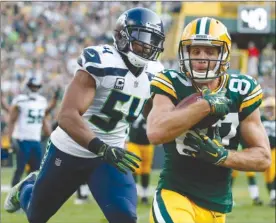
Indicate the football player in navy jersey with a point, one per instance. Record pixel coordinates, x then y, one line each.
108 91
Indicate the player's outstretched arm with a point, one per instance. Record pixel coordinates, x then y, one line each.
14 113
165 123
46 127
4 104
256 157
78 97
53 102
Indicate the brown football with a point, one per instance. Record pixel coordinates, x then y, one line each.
208 121
189 100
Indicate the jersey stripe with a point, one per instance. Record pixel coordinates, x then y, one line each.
162 207
106 71
251 101
156 210
253 95
197 26
164 88
162 76
257 88
223 81
164 82
207 29
202 29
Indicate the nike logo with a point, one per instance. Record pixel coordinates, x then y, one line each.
91 55
114 153
213 154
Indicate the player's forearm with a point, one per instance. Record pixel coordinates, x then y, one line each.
252 159
10 129
5 106
47 129
11 125
169 125
73 124
51 106
147 108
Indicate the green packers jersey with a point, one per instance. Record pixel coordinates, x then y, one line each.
270 130
137 132
206 184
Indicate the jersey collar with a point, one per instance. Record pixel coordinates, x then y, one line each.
222 83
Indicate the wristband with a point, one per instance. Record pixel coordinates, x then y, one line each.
94 145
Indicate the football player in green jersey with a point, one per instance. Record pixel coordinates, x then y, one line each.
194 184
268 120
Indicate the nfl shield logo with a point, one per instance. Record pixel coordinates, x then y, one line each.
136 83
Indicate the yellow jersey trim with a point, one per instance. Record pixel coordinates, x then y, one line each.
163 77
251 101
164 88
258 87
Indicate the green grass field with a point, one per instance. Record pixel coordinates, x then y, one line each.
244 212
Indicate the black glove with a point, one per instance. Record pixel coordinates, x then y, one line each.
218 102
122 159
211 151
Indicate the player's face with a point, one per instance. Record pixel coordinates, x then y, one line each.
202 54
141 50
34 88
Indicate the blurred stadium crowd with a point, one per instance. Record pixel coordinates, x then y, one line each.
45 39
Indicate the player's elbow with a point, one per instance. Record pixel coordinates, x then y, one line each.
155 137
265 161
264 165
64 118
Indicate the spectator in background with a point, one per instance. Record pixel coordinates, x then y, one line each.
267 62
253 60
235 61
27 120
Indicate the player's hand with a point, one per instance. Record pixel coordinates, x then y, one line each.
211 151
122 159
218 102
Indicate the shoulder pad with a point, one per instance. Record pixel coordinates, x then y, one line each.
89 55
163 84
19 98
100 61
248 91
